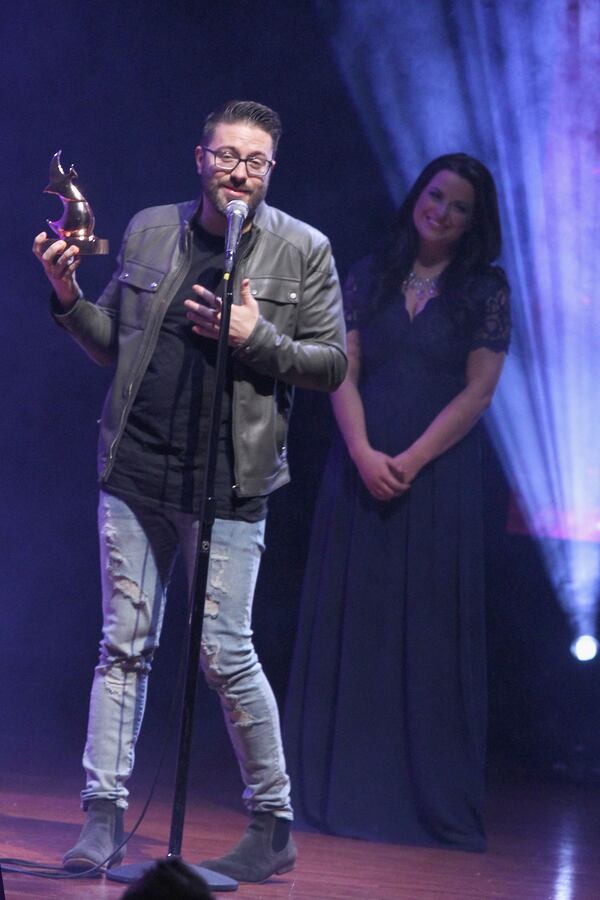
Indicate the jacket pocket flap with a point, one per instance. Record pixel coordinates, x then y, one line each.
141 276
278 290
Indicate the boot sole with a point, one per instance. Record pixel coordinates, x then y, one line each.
286 869
77 865
81 864
282 871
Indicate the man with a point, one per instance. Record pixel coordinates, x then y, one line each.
157 321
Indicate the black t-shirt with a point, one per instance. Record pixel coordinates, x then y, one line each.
161 457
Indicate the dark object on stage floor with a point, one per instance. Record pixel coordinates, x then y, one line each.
169 879
2 894
76 225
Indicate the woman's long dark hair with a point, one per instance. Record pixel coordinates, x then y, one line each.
478 247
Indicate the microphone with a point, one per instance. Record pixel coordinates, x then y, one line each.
237 213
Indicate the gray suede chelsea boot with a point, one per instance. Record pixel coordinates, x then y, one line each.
101 834
266 849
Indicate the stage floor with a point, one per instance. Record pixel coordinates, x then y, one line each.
543 845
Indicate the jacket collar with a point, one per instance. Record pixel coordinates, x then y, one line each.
191 208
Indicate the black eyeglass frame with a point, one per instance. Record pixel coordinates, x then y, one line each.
240 159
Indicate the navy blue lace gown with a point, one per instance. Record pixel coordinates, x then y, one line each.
386 710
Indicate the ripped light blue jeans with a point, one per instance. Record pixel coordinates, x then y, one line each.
138 546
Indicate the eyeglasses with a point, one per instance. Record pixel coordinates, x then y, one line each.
228 160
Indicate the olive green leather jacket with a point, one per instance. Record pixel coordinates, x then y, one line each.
298 339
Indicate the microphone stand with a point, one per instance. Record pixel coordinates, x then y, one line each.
129 873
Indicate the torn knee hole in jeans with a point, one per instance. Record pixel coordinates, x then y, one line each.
240 717
118 669
217 580
211 655
218 568
211 607
115 672
130 590
109 533
123 585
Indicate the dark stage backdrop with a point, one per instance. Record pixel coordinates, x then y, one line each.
122 89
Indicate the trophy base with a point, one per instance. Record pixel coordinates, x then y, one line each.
87 246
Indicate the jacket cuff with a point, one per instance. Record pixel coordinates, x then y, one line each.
58 310
247 349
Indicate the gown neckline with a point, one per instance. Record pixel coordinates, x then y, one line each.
420 312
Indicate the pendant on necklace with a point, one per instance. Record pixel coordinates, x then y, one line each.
424 288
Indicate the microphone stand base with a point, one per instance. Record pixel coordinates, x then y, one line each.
132 872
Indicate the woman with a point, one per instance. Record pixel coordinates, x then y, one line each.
386 707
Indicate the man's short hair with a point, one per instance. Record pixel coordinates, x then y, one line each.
244 111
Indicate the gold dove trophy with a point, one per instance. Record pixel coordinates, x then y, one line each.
76 225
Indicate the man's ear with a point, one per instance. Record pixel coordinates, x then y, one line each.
199 156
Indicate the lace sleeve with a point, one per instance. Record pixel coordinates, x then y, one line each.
493 325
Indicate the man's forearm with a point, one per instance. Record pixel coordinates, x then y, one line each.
318 364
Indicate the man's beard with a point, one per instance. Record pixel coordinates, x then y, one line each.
211 191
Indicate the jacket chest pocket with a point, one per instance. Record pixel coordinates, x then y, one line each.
278 300
139 284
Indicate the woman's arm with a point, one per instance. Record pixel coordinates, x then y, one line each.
458 417
376 469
